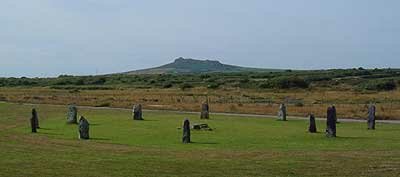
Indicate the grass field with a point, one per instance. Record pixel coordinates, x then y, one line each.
238 146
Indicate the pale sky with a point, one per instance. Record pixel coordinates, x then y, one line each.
40 38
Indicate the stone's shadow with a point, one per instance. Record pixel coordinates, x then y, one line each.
386 130
148 120
41 128
72 124
203 142
352 137
316 132
48 133
94 124
100 139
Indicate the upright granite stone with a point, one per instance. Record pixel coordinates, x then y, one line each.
282 112
137 112
371 117
334 113
186 131
331 123
205 111
34 114
72 114
34 121
313 126
83 128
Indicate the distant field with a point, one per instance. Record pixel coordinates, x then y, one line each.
238 146
301 102
305 92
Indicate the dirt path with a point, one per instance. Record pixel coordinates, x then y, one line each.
225 114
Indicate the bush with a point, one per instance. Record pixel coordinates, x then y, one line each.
289 82
103 105
63 82
213 86
265 85
379 85
152 81
97 81
186 86
244 81
74 91
317 78
204 76
167 85
79 81
299 104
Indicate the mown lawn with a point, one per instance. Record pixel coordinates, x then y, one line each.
238 146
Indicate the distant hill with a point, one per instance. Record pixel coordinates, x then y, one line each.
188 65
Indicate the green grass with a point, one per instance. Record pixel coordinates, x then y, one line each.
238 146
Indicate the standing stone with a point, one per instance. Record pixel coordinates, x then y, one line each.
137 112
83 128
186 131
72 114
313 127
371 117
334 113
331 122
205 111
282 112
34 121
34 114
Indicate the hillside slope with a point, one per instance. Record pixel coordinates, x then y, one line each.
183 65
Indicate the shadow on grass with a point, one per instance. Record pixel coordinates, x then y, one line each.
385 130
352 137
49 133
203 142
315 133
41 128
103 139
144 120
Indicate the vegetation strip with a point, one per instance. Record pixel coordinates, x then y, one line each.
215 113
